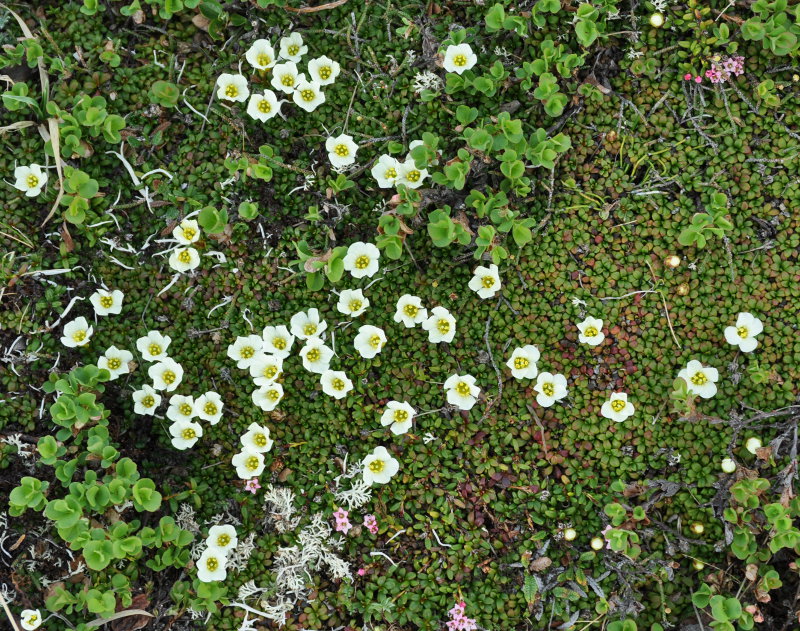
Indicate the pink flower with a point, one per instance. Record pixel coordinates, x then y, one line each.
252 485
342 522
688 76
361 571
698 79
371 523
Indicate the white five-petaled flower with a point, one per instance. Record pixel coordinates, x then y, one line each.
285 77
462 391
700 380
208 406
352 302
268 397
115 361
292 47
153 346
459 58
187 232
306 324
107 302
184 259
222 538
550 388
307 95
409 311
146 400
77 333
181 408
743 334
362 259
30 619
261 55
369 341
385 171
399 415
323 70
232 87
617 408
379 466
266 369
277 341
341 150
485 281
167 374
248 463
410 175
211 565
256 438
245 350
264 106
441 326
30 179
590 331
335 383
185 433
316 356
523 362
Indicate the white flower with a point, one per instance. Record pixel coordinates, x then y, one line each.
245 350
187 232
341 150
107 302
306 324
462 391
617 408
323 70
550 388
264 106
657 20
369 341
385 171
248 463
485 281
277 341
316 356
335 383
285 77
166 374
352 302
222 538
591 331
399 416
257 438
184 259
208 406
700 380
30 179
268 397
185 433
409 311
77 333
379 466
115 361
261 55
307 95
292 47
410 175
743 334
30 619
523 362
153 346
441 326
753 444
362 259
232 87
459 58
146 400
181 408
211 565
728 465
266 369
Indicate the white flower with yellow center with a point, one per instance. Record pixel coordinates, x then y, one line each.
30 619
550 388
369 341
115 361
379 467
341 150
617 408
459 58
292 47
316 356
181 408
248 463
245 350
523 362
185 433
352 302
153 346
211 565
410 175
409 311
232 87
485 281
700 380
743 334
335 383
146 400
187 232
208 406
167 374
386 171
590 331
277 341
306 324
30 179
77 333
256 438
266 369
462 391
222 538
184 259
362 259
399 416
307 95
107 302
441 326
264 106
285 77
323 70
261 55
268 397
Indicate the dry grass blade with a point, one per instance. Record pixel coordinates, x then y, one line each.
55 140
322 7
116 616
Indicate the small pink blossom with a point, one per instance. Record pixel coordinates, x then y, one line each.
458 620
371 524
687 76
342 522
698 79
361 571
252 485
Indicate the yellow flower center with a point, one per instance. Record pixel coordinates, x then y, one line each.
443 326
273 395
168 377
337 384
260 439
460 60
264 107
376 466
341 150
223 540
390 173
313 355
325 72
270 371
742 332
355 305
184 256
189 233
148 401
309 329
487 281
79 336
279 343
252 463
185 409
212 564
231 91
699 379
106 302
618 405
307 95
114 363
463 388
413 176
32 181
521 362
210 408
247 352
362 262
287 80
293 49
400 416
263 59
548 389
154 349
375 341
411 310
590 331
188 433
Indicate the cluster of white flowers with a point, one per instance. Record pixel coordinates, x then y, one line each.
212 564
184 257
389 171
